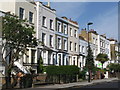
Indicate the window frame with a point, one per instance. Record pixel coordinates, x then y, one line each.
51 24
44 38
51 41
30 17
44 21
21 12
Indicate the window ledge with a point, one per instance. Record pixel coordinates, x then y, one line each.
44 26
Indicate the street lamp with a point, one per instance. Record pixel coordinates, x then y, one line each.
90 23
119 52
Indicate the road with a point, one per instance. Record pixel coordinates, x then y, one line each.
113 84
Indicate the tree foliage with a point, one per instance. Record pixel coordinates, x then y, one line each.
102 58
40 65
17 35
89 59
114 66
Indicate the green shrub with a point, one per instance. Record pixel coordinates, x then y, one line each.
114 66
82 75
58 74
62 70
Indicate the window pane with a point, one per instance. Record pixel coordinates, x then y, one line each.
51 24
33 56
51 41
59 43
44 21
65 29
43 38
21 13
70 31
30 17
59 27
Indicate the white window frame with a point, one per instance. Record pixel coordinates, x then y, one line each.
75 33
71 46
71 32
44 57
51 24
65 44
44 38
31 17
79 48
44 21
21 13
59 44
33 55
59 24
51 41
65 28
75 47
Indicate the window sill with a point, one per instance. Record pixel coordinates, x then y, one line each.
65 50
65 34
52 29
59 32
44 27
51 46
31 23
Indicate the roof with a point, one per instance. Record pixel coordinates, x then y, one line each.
75 22
92 31
111 39
82 38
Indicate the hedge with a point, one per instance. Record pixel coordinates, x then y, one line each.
62 70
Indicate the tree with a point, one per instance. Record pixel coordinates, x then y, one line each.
89 62
17 35
40 65
102 58
89 59
114 67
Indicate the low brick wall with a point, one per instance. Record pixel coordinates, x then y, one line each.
41 78
3 81
118 75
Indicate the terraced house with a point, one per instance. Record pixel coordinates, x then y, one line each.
73 43
46 18
114 50
83 44
1 65
61 42
104 47
24 10
99 44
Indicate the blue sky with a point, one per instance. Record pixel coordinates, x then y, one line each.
104 15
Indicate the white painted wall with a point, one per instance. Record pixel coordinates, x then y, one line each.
49 14
74 40
83 44
13 8
106 48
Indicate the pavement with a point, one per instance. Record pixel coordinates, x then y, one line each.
69 85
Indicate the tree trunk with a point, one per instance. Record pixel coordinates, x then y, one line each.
59 78
8 79
102 65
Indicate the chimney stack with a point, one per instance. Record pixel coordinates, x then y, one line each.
48 3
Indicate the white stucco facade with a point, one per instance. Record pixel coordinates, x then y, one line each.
73 43
24 10
46 33
83 53
103 47
62 41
